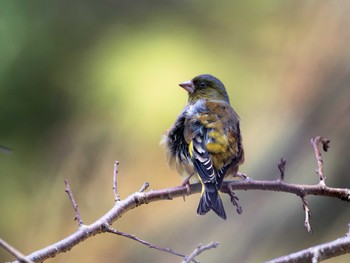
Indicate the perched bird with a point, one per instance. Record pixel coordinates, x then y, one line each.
205 141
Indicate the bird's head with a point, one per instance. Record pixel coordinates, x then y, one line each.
205 87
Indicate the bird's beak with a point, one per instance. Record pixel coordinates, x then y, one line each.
187 85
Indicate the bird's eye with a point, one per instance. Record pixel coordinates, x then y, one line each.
202 84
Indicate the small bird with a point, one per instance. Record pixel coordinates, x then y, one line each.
205 142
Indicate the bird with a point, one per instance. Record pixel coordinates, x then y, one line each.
205 142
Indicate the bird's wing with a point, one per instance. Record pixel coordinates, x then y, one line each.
201 159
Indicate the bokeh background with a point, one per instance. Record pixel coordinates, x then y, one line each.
85 83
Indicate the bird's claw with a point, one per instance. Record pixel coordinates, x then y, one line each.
186 183
242 176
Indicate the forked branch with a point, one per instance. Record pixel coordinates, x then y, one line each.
140 198
103 224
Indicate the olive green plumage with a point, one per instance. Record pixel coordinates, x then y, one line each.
205 141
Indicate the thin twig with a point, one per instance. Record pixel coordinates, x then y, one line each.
133 237
307 216
144 187
325 143
115 189
282 167
21 258
199 249
75 205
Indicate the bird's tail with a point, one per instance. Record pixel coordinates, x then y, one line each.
210 199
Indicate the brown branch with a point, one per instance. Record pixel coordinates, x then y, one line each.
199 249
115 189
325 143
75 205
318 253
133 237
307 216
139 198
21 258
279 186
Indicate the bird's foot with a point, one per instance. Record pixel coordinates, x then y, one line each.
186 183
242 176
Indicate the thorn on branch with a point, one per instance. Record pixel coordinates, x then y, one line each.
282 167
115 189
75 205
144 187
325 145
21 258
199 249
307 216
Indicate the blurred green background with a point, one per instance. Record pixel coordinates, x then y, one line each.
85 83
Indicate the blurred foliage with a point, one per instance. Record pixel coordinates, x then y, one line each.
85 83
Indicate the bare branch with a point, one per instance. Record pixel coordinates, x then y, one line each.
75 205
282 167
139 198
307 216
279 186
325 143
168 250
21 258
199 249
115 189
318 253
